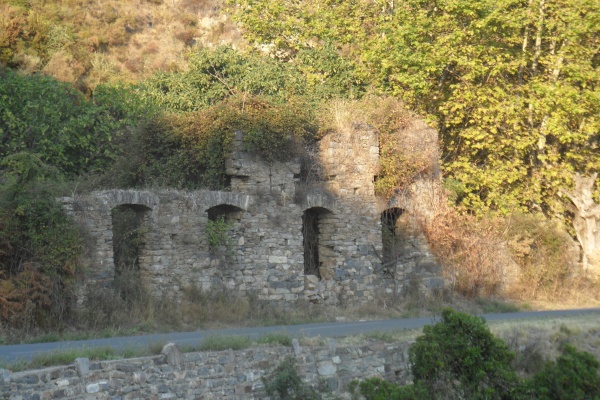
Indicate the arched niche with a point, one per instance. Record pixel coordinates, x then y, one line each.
130 227
225 211
222 229
392 226
319 258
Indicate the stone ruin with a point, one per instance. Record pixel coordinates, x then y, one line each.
308 229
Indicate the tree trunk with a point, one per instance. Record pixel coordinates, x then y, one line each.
586 222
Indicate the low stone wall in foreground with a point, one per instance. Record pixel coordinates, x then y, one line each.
207 375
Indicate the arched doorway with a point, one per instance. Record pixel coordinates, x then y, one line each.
318 253
129 230
392 220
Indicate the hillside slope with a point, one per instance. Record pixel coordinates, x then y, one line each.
89 42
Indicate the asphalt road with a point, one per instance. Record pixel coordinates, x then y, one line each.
10 353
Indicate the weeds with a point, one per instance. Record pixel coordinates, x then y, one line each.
215 343
274 339
284 383
64 357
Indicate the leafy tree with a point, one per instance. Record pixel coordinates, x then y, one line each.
512 86
214 75
51 119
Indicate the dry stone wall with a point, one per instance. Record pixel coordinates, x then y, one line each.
290 236
208 375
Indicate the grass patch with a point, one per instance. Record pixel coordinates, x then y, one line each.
62 357
275 339
394 336
491 305
217 343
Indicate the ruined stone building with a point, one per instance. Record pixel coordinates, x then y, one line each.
309 229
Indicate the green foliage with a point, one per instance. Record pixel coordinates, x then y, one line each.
152 155
276 338
217 232
379 389
459 358
511 86
460 355
39 245
284 383
214 75
326 74
51 119
574 376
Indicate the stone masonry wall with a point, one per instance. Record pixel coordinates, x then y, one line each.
207 375
265 210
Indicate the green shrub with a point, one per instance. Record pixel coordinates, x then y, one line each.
284 383
460 355
39 245
378 389
574 376
51 119
217 233
214 75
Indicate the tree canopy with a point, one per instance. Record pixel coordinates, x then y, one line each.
512 86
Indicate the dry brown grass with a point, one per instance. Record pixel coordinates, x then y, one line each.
136 38
522 258
537 341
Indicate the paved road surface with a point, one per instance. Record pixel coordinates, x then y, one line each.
11 353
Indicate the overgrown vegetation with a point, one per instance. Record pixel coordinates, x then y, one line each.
217 233
39 246
284 383
459 358
511 88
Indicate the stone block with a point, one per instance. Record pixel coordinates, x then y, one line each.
97 387
278 259
82 365
326 368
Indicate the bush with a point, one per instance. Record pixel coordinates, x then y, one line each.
285 384
458 358
460 355
544 252
214 75
39 245
51 119
574 376
378 389
471 252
